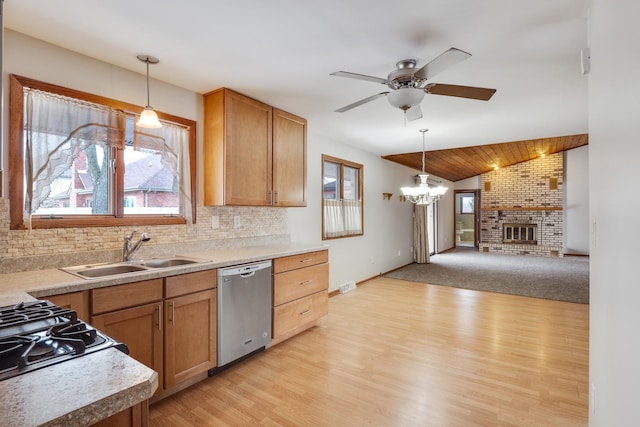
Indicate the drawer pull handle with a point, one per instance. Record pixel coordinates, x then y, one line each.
307 311
306 260
306 282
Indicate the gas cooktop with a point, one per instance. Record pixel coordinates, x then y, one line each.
37 334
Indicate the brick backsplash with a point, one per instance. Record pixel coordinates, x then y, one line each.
514 189
21 250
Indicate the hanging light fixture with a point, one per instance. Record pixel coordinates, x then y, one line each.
148 117
422 194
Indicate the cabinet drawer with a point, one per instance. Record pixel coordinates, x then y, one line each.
295 284
189 283
300 261
289 316
123 296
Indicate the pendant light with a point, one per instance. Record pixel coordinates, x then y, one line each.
422 194
148 117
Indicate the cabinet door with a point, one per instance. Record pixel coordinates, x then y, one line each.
190 336
77 301
248 151
289 159
140 328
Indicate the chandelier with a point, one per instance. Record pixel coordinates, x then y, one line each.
422 194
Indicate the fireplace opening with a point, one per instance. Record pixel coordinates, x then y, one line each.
520 233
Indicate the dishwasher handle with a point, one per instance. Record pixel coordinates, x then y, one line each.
245 270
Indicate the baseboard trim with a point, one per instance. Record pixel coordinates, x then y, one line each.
362 282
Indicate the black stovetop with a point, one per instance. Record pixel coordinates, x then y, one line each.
37 334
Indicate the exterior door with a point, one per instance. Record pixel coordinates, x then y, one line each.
467 218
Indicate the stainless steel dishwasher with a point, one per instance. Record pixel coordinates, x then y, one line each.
244 310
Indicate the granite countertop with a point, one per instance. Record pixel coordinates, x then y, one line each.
27 285
84 390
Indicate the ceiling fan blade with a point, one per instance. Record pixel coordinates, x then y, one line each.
445 60
359 77
362 101
413 113
479 93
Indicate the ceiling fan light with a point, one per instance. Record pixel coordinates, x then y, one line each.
149 119
405 98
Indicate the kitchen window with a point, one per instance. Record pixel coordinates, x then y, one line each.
79 160
342 190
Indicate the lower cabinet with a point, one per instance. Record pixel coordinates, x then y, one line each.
300 293
189 336
136 416
140 328
77 301
168 324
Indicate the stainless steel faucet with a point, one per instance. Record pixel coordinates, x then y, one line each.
128 250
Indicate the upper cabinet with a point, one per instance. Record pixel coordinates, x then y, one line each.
254 154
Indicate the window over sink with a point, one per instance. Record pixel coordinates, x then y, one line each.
79 160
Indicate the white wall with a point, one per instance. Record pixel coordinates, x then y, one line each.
29 57
387 223
472 183
576 201
614 150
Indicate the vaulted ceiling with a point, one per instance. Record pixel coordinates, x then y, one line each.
459 163
283 52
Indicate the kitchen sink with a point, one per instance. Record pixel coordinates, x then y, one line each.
170 262
94 271
104 270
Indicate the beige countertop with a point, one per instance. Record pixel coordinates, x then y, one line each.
87 389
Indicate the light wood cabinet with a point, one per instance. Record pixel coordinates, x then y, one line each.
168 324
140 328
136 416
77 301
132 314
289 159
300 293
190 328
254 154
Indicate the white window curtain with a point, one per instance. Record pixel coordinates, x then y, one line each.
172 142
57 129
420 234
342 217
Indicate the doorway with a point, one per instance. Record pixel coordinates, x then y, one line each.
467 218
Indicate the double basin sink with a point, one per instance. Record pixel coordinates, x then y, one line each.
94 271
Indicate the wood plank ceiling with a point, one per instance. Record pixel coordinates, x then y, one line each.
460 163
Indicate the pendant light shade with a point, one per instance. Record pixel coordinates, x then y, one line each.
148 117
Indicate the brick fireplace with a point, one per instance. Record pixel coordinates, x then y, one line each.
521 210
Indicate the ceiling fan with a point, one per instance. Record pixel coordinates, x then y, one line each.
408 84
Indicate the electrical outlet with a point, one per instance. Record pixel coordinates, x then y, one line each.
215 222
236 221
399 253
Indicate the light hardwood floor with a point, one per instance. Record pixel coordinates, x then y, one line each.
397 353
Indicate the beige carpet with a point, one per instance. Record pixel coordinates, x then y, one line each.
562 279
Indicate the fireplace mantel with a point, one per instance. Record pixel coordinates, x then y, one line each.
530 208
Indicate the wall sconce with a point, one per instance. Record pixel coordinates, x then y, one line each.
148 117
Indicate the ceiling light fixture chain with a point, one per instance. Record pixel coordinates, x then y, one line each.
422 194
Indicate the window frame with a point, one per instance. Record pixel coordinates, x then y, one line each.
342 163
17 159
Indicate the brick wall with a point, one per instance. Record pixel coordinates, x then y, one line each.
23 251
526 193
